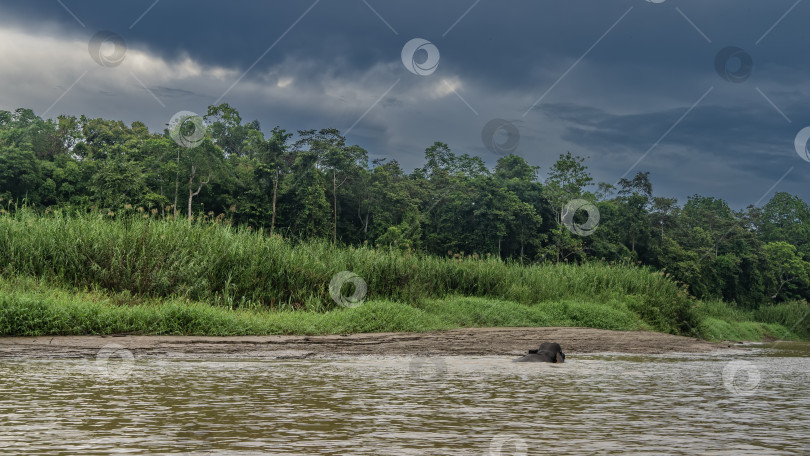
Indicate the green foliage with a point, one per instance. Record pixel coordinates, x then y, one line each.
789 272
29 307
480 312
240 268
721 321
315 186
794 315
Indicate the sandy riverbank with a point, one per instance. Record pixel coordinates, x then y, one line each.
475 341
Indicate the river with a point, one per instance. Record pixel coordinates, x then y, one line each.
757 402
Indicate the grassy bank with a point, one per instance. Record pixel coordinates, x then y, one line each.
92 274
721 321
29 307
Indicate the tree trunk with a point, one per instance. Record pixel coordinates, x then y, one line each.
334 201
782 283
521 249
275 193
190 189
559 241
191 193
363 221
177 184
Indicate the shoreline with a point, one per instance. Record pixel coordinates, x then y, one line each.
458 342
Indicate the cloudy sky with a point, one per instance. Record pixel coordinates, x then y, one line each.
636 85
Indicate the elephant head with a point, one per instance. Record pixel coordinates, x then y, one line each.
547 353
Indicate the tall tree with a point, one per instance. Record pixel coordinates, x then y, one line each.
337 159
566 181
635 196
790 274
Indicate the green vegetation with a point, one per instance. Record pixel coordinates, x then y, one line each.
721 321
94 274
30 308
237 268
242 233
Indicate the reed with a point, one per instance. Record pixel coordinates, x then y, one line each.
718 320
237 268
33 307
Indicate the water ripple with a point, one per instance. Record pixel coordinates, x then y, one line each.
369 406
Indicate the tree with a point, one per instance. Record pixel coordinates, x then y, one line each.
303 198
514 167
789 272
786 218
200 164
663 213
273 160
711 215
226 130
634 200
117 182
19 174
388 200
442 162
339 161
524 236
566 181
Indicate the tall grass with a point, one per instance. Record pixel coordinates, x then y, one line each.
32 307
793 315
718 320
242 269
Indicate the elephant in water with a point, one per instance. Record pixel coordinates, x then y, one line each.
547 353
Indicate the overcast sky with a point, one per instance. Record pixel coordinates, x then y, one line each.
632 84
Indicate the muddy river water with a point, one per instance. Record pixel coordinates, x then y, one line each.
752 402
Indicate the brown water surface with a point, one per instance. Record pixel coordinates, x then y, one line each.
749 403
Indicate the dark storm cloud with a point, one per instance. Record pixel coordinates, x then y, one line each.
635 82
503 43
748 132
173 92
736 151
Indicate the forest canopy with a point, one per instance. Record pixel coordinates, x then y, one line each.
313 184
